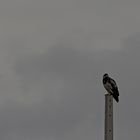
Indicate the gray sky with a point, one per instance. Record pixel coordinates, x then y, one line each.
52 57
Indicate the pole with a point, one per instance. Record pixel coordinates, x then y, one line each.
108 117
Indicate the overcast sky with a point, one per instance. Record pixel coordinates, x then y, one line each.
53 54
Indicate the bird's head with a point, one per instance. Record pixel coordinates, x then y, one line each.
105 75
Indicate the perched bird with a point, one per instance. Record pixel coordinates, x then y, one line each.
111 86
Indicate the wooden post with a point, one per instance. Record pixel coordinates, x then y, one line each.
108 117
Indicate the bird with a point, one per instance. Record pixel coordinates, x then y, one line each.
111 86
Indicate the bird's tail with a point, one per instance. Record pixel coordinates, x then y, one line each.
116 97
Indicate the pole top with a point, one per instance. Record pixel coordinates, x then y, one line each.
107 94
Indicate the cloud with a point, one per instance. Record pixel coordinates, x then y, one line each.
67 84
53 55
58 94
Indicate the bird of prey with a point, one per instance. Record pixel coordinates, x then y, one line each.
111 86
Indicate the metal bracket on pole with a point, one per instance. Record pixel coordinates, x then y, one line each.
108 117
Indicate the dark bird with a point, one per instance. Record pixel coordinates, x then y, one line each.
111 86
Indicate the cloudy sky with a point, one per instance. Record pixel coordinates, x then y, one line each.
53 54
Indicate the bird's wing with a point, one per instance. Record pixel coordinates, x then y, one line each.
113 83
114 86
